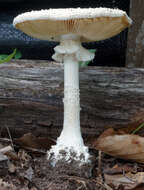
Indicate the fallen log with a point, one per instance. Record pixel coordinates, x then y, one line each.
31 95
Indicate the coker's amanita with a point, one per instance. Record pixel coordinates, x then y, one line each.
71 27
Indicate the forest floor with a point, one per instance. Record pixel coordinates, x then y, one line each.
25 167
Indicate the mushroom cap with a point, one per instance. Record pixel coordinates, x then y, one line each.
90 24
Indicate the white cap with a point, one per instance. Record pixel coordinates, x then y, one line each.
90 24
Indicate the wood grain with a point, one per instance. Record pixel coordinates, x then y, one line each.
31 95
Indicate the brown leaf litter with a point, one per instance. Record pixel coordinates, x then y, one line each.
125 146
26 170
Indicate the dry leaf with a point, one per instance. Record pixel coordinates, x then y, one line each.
117 169
6 149
89 141
129 181
12 155
129 147
29 140
117 180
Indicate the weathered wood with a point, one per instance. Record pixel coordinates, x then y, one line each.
135 49
31 95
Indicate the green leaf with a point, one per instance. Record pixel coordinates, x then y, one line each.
8 58
3 56
18 55
92 50
85 63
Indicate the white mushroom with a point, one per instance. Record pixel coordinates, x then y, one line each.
71 27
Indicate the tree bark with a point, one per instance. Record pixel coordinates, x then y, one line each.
31 95
135 49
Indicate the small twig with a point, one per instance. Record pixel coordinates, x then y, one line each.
107 187
99 162
5 149
10 136
5 140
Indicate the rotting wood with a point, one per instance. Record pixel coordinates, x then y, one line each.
135 49
31 95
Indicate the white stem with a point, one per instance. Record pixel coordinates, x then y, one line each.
71 52
71 134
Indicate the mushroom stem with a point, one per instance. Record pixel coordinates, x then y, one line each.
71 133
71 52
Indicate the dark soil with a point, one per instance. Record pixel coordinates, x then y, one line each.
28 169
63 176
38 174
31 172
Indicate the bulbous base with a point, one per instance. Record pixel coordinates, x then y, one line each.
68 162
68 154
